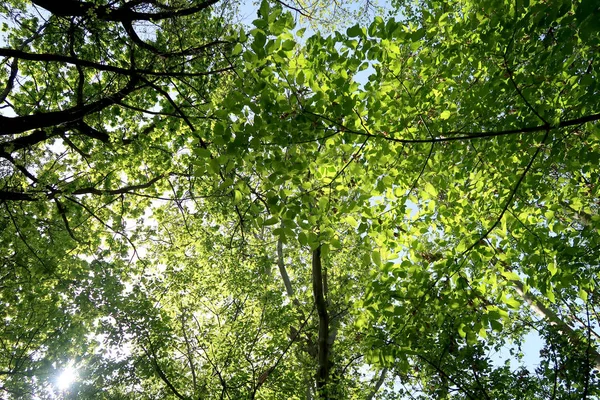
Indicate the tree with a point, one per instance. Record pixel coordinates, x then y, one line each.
398 199
91 88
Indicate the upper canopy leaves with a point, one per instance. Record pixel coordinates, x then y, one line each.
398 197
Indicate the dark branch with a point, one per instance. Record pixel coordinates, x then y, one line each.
24 142
128 26
520 93
511 196
159 371
14 69
12 195
19 167
63 213
135 38
16 196
93 133
283 271
123 190
317 278
49 57
293 339
302 11
75 8
448 136
13 125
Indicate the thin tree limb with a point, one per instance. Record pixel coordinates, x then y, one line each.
448 136
161 374
48 57
20 124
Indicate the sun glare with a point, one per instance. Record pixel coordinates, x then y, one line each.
66 378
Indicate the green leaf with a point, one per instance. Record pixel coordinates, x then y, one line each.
496 325
237 49
237 196
350 140
354 31
366 259
511 276
288 45
302 239
271 221
260 39
511 302
462 330
431 190
202 153
376 257
264 9
552 268
550 295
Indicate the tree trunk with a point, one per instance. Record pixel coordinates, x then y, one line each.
553 318
323 357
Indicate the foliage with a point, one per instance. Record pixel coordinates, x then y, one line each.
213 211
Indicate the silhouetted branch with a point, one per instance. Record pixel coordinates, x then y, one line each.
20 124
125 13
49 57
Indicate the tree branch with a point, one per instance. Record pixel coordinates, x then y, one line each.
153 359
293 339
12 195
448 136
123 190
75 8
14 125
511 195
49 57
63 213
14 69
9 195
19 167
24 142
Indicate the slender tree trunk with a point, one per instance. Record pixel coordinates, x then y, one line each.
323 355
378 384
283 271
553 318
540 309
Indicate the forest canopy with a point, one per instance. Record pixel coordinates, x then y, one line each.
198 205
